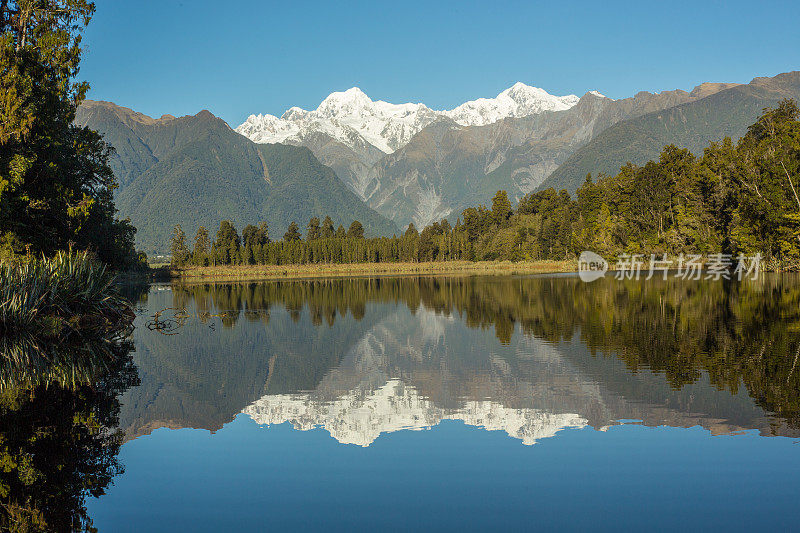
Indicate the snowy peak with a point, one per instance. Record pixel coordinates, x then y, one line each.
597 94
348 116
351 102
294 114
519 100
268 128
351 117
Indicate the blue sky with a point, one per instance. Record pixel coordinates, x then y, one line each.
246 56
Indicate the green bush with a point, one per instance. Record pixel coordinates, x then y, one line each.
69 293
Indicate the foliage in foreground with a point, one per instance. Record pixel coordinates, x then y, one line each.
56 186
70 293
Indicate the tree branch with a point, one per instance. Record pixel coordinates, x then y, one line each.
792 184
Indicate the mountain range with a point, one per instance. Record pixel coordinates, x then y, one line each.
353 119
357 136
196 171
692 125
415 164
389 165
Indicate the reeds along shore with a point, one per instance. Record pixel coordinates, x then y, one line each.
263 272
54 298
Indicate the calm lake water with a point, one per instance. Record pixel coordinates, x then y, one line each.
461 403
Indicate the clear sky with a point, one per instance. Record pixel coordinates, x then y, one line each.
253 56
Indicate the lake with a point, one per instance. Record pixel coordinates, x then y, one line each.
461 404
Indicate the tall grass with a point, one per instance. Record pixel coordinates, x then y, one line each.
69 293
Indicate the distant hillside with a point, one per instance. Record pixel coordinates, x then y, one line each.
196 170
690 125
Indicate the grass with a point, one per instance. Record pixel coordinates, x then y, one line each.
54 297
266 272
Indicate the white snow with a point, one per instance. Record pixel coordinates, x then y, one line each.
340 115
519 100
600 95
362 415
352 117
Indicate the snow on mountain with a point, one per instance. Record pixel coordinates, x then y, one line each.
599 95
344 116
361 416
519 100
352 118
268 128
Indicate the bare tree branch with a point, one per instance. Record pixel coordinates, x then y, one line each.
792 184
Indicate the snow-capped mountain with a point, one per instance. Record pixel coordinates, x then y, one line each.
352 118
519 100
415 164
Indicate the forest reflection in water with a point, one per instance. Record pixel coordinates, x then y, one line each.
721 354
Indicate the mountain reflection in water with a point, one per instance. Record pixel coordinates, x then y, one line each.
528 356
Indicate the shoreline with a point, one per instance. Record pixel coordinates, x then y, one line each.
311 271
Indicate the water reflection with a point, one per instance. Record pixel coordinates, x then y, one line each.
59 440
528 356
364 357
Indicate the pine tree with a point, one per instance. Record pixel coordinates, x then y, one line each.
263 233
410 246
227 244
356 230
202 243
501 208
55 181
179 250
292 233
327 228
250 243
313 229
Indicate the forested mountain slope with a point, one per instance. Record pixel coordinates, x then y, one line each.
691 125
196 170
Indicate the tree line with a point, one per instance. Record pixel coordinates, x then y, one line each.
320 244
737 198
